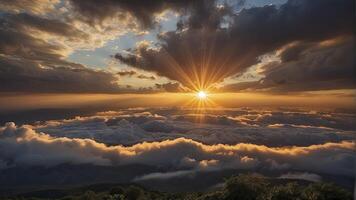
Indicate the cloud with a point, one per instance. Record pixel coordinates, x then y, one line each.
207 118
275 129
16 41
34 48
142 76
170 87
29 76
126 73
146 13
31 6
159 126
166 175
22 146
23 21
307 67
31 62
302 176
137 75
213 43
301 119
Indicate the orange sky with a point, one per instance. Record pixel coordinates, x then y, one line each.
314 100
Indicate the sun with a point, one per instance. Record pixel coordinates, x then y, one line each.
201 102
201 95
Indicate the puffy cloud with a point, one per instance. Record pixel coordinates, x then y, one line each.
203 51
25 147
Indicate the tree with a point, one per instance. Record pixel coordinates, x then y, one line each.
325 191
291 191
134 193
245 187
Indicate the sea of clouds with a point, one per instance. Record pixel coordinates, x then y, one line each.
184 141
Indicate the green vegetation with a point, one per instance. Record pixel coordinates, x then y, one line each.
241 187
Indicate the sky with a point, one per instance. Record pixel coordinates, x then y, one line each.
53 46
176 88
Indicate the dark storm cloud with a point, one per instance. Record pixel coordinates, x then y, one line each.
211 43
307 67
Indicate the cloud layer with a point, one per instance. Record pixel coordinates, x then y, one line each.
271 128
170 144
25 147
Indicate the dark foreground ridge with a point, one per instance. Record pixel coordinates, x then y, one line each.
241 187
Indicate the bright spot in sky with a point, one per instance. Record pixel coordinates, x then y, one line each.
201 95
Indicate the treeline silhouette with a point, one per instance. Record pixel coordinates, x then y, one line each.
241 187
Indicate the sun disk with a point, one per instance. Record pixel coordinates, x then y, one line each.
201 95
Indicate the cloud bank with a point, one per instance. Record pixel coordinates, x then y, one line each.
21 146
271 128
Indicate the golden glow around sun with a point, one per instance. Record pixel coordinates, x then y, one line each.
201 95
201 102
